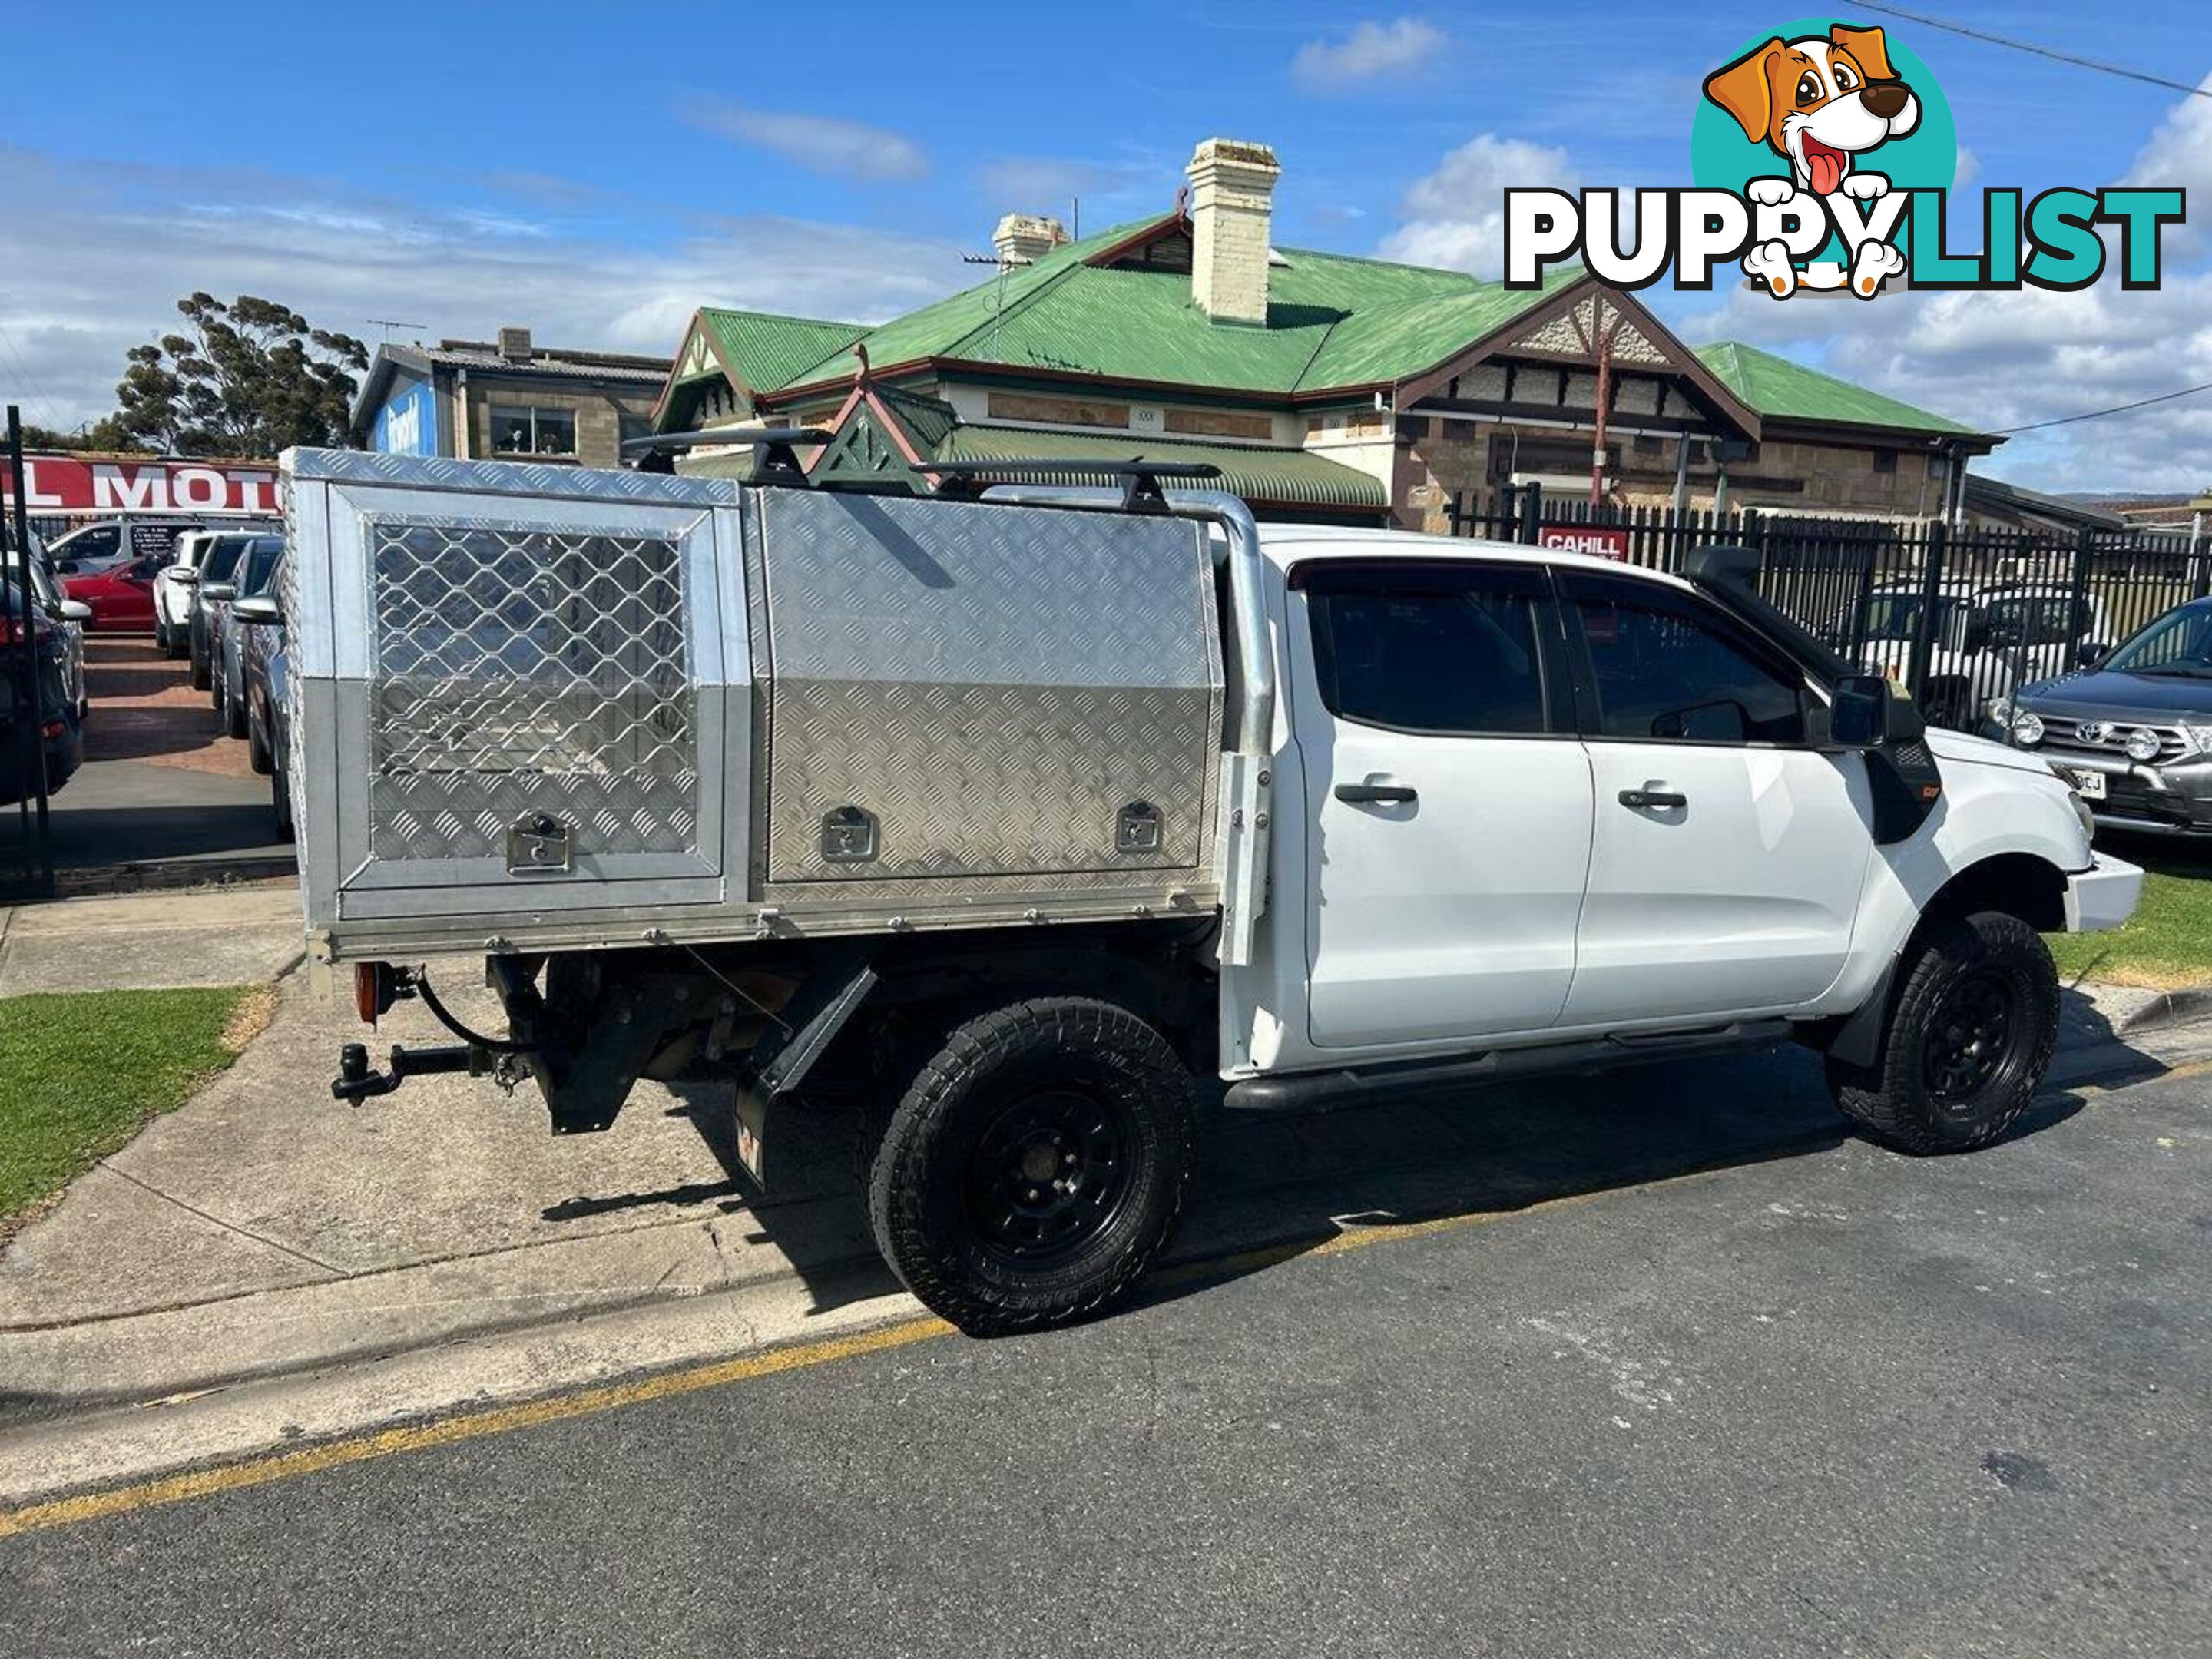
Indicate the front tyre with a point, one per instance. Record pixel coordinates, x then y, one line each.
1036 1166
1967 1043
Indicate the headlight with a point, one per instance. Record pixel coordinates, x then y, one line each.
2142 744
2027 728
1999 711
2199 738
2082 811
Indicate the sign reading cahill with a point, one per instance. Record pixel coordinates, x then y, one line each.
66 483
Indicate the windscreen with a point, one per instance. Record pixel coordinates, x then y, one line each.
222 557
261 556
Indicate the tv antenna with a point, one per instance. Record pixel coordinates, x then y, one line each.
387 324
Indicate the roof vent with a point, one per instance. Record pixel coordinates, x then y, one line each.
514 344
1022 239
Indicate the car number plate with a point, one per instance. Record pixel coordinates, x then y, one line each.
2091 784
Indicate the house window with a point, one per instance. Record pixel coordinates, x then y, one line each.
519 430
1885 460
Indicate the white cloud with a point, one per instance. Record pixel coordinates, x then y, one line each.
2010 359
1456 215
97 256
1372 50
1043 184
827 144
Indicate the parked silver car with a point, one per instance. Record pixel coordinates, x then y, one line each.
2132 731
256 570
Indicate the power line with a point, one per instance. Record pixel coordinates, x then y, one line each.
2100 414
2054 56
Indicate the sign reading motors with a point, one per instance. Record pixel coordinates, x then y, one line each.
64 483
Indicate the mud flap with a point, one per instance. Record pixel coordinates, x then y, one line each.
780 1062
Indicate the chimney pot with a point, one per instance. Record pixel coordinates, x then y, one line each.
514 344
1022 239
1232 187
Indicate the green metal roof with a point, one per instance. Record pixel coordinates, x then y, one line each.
1279 476
1333 321
767 351
1780 389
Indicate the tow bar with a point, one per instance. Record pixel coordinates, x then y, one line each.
377 986
354 1081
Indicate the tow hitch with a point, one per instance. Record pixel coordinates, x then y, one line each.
354 1081
377 986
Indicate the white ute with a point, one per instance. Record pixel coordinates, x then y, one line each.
1011 819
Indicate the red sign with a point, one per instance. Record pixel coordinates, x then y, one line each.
1605 541
66 483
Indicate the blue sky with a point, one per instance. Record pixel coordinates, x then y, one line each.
596 171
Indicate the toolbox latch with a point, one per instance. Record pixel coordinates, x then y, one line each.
848 834
539 844
1137 829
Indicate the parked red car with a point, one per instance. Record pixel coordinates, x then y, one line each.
121 596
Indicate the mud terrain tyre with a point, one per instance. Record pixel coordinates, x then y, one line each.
1036 1165
1967 1043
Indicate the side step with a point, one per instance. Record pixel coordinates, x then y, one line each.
1335 1090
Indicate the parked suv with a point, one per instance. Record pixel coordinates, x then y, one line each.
226 635
2131 731
210 582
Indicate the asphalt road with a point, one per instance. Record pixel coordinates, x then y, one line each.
1835 1402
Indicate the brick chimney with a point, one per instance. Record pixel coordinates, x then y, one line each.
1022 239
1232 185
514 344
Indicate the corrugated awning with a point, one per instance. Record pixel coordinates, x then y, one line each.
1290 477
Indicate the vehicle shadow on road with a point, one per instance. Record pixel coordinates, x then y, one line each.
1268 1189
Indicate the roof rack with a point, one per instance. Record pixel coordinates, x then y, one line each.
779 460
1139 478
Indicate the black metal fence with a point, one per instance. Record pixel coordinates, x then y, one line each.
1961 616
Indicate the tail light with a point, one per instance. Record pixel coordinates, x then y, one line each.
374 989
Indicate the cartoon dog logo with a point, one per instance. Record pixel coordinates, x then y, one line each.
1819 102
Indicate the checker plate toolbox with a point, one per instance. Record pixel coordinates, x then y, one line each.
545 707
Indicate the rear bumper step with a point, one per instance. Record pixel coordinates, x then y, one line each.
1335 1090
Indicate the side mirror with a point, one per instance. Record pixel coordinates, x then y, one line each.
1858 712
182 573
2092 653
218 590
75 611
259 611
1977 634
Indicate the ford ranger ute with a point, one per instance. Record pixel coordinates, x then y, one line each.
1021 809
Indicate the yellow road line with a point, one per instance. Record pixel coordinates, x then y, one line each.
337 1453
560 1408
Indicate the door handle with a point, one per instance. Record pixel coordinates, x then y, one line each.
1367 794
1653 799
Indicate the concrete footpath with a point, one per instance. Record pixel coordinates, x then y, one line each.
267 1264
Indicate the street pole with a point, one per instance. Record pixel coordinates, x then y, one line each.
31 696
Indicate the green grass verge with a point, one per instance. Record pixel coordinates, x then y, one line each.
83 1072
2168 940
